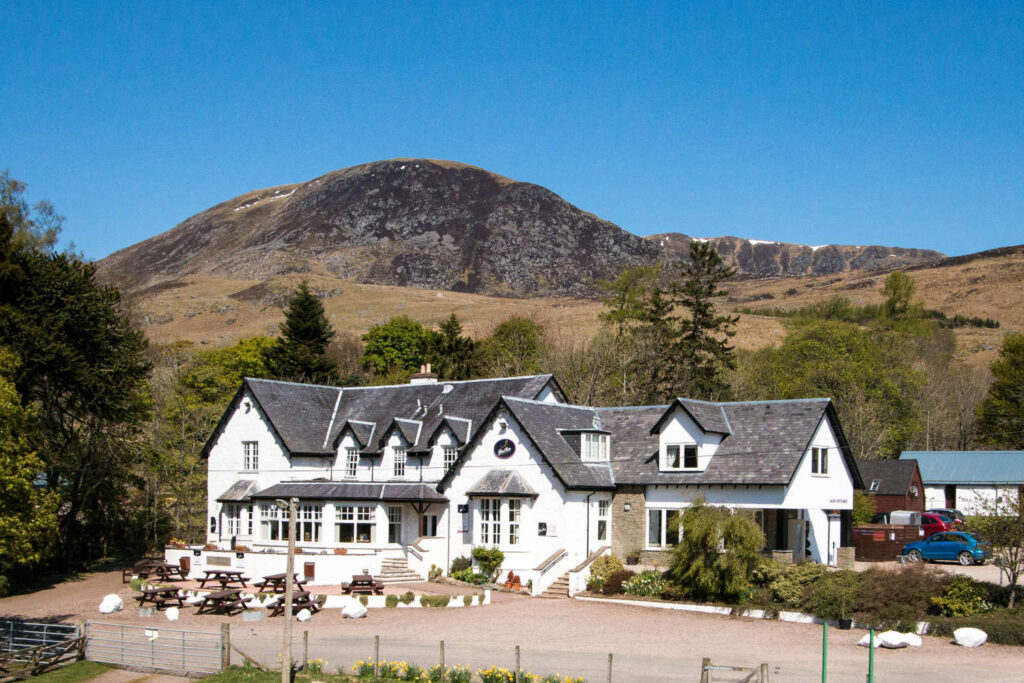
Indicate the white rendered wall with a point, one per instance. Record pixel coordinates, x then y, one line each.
680 428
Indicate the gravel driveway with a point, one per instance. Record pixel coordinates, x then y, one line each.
564 636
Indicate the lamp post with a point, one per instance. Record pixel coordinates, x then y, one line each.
286 656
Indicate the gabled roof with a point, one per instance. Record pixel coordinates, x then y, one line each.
460 427
710 417
309 419
969 467
239 492
894 477
324 490
409 429
502 483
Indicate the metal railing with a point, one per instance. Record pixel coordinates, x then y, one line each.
18 635
154 648
551 563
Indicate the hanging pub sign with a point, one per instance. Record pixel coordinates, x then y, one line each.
463 508
504 448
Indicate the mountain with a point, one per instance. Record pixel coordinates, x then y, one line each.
440 225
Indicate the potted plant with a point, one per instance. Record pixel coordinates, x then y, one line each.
633 556
341 551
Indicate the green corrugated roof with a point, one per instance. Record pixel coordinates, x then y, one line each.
969 467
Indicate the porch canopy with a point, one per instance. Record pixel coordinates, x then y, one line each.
504 483
330 490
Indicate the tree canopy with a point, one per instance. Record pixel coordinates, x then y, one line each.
300 354
1001 414
396 348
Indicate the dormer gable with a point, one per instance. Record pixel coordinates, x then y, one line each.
685 443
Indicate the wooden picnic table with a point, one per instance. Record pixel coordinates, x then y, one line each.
163 571
224 601
225 577
363 583
300 600
160 596
276 583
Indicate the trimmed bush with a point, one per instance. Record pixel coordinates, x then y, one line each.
489 560
834 596
613 584
467 600
790 583
605 566
391 601
365 600
460 564
469 576
407 597
963 597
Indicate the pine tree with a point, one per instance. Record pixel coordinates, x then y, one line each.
451 353
300 355
1001 414
701 352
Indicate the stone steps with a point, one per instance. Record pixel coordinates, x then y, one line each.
396 570
558 589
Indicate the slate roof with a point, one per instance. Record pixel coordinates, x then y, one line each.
324 490
309 418
239 492
894 476
502 483
969 467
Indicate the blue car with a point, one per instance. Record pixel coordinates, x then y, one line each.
955 546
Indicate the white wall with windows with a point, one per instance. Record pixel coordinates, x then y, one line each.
683 446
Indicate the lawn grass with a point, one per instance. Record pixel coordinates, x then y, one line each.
82 670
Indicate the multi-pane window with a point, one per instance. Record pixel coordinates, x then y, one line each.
250 456
594 447
232 520
394 524
663 529
490 521
273 522
602 519
400 456
308 520
515 510
450 454
351 462
680 457
355 524
819 461
248 517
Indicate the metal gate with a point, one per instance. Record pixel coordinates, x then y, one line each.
164 649
18 635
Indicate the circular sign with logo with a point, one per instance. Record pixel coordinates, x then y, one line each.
504 448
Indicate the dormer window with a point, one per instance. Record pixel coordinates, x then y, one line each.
680 457
399 461
594 447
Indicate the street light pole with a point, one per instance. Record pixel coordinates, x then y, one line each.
286 657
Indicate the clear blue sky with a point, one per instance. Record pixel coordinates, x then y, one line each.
889 123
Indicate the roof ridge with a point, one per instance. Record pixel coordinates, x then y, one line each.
297 384
547 403
440 383
772 400
661 406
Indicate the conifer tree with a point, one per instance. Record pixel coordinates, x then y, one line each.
300 354
451 353
1001 414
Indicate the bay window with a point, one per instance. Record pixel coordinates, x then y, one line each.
355 523
490 521
308 520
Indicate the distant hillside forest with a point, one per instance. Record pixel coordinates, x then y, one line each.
100 431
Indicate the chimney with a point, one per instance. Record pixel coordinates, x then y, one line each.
424 376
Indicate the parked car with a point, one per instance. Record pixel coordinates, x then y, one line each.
907 517
953 514
933 523
957 546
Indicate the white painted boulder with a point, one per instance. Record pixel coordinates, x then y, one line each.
110 604
913 640
866 641
172 613
969 637
305 615
892 640
353 610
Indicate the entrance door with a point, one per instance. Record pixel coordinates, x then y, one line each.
428 525
951 496
795 536
394 524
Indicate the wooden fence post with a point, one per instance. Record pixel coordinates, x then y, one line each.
442 662
609 667
376 656
517 664
225 646
764 672
305 649
705 675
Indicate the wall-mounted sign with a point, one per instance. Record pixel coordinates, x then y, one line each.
463 508
504 448
542 528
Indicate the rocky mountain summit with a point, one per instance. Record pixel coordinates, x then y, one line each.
445 226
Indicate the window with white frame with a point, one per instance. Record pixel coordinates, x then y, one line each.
394 524
450 454
515 511
248 517
603 507
594 447
308 520
490 521
663 529
250 456
680 457
399 460
355 523
232 520
819 461
273 522
351 462
874 485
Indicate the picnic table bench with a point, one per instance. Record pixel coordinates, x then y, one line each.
224 601
300 600
225 577
276 583
160 596
362 583
145 569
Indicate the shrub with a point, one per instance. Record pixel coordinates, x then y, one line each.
834 596
407 597
605 566
489 560
863 508
1004 626
788 586
962 597
479 598
469 576
135 584
391 601
648 583
898 599
461 563
365 600
613 584
467 600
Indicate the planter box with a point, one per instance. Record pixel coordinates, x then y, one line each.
341 551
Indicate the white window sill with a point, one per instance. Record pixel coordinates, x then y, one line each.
822 476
